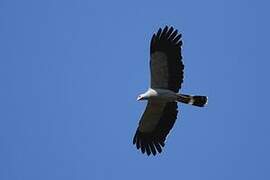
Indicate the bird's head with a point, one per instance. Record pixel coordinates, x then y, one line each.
141 97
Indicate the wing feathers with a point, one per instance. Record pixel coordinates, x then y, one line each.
164 32
152 142
169 32
166 60
173 35
159 32
158 148
153 150
177 39
147 148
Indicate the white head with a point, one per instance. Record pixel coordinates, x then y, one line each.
141 97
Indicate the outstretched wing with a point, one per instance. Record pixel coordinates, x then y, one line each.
155 124
166 60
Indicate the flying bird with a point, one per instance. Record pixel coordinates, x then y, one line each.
167 74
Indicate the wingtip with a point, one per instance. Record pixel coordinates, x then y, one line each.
165 28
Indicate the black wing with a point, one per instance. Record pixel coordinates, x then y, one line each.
166 60
152 141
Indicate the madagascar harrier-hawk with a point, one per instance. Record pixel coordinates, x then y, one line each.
166 79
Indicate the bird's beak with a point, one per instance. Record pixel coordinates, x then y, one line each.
139 98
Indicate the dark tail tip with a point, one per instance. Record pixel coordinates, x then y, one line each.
199 101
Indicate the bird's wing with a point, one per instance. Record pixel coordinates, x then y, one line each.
155 124
166 60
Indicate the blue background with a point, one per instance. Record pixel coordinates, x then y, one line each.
70 72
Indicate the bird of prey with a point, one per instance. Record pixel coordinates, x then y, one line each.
166 78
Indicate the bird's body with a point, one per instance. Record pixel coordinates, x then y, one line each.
163 95
166 78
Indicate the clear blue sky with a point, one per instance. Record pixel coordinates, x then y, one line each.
70 72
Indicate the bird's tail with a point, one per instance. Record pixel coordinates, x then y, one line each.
193 100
